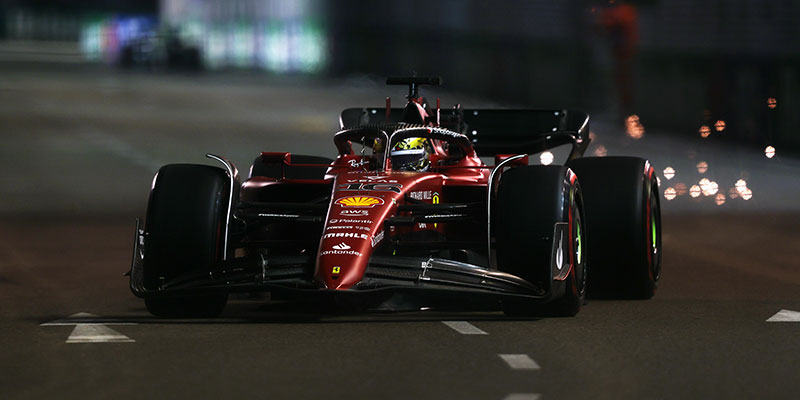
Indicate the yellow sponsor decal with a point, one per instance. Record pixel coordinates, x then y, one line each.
359 201
336 270
435 201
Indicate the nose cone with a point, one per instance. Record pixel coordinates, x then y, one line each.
342 261
353 228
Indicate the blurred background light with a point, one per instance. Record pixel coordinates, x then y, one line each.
669 173
681 189
740 185
634 127
274 35
600 151
769 151
546 158
772 102
702 167
670 193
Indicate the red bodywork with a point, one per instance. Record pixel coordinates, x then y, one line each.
362 200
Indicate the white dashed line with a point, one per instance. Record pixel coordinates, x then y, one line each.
519 361
785 316
464 328
84 333
90 329
523 396
83 318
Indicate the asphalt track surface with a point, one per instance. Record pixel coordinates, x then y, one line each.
80 145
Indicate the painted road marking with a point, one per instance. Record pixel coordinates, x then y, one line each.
519 361
96 333
785 316
90 329
464 328
523 396
86 319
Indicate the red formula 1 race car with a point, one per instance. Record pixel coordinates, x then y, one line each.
407 216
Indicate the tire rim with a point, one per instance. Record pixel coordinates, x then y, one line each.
655 236
579 259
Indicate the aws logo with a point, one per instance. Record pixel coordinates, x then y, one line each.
360 201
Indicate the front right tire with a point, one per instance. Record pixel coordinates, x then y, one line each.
531 200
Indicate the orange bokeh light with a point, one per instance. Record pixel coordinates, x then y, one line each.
600 151
772 102
705 131
670 193
669 173
633 127
719 125
702 167
681 188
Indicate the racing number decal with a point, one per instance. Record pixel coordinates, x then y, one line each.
378 187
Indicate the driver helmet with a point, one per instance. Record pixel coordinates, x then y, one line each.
412 154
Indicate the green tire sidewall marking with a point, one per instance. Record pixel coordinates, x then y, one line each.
653 230
578 239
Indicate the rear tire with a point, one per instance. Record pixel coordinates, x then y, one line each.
624 225
184 229
530 201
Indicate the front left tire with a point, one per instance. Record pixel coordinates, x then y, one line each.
183 235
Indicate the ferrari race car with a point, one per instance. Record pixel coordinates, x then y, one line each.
407 216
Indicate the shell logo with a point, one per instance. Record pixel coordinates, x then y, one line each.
359 201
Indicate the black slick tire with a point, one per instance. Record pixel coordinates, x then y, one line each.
184 228
623 221
530 201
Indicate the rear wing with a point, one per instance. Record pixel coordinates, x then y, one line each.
497 131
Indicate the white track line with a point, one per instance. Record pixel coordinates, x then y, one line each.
85 322
83 318
90 329
785 316
96 334
519 361
523 396
464 328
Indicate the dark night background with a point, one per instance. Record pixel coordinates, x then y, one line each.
677 64
97 95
